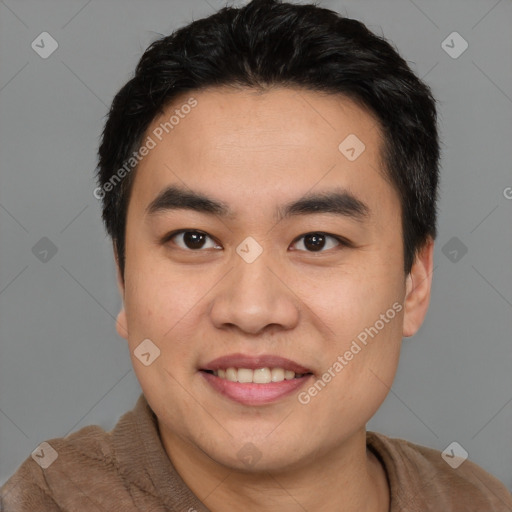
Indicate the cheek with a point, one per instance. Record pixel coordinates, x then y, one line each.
364 312
169 310
359 374
159 309
156 301
349 302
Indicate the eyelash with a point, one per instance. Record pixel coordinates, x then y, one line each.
341 241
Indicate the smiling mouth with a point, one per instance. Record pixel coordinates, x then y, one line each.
257 376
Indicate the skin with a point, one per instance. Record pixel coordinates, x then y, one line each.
256 151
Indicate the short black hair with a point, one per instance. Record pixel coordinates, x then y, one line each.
265 44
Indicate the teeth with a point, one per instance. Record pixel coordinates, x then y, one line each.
277 374
258 376
232 375
261 375
245 375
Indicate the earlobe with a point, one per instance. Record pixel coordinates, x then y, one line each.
418 288
121 325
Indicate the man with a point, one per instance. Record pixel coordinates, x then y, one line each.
269 180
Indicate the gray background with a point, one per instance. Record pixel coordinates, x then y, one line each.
62 364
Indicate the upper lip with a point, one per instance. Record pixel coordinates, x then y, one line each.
255 362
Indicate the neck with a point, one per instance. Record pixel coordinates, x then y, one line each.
349 478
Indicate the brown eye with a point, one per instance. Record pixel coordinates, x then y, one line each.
317 242
192 240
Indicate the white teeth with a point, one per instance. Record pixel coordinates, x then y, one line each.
245 375
231 374
277 374
261 376
258 376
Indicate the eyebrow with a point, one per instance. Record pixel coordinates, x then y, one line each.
337 201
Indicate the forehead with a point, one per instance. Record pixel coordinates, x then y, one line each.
246 145
230 118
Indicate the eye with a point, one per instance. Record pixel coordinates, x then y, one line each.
191 240
316 242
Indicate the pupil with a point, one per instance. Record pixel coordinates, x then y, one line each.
315 241
193 240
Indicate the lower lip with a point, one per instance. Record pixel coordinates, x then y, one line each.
255 394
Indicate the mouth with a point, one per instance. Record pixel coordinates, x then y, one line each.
255 380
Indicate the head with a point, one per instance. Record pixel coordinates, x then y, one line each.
286 124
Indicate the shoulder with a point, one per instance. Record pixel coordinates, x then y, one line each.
422 476
73 471
32 487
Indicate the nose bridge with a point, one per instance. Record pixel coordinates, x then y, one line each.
254 279
252 296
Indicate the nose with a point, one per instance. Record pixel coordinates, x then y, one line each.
255 297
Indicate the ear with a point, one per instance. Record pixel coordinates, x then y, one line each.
121 323
418 287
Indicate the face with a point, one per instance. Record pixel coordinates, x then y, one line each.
292 261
